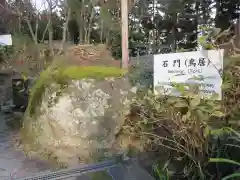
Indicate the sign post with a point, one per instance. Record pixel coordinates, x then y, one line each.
124 15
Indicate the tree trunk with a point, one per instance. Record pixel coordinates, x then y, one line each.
238 33
50 30
90 26
50 27
174 32
36 28
218 10
65 28
19 25
85 29
107 36
80 29
149 42
45 31
50 38
81 34
81 24
101 33
31 31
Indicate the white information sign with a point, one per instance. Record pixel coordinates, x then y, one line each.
203 68
6 40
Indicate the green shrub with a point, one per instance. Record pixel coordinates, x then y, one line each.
177 124
5 52
225 159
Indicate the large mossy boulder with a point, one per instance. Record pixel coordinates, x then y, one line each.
74 113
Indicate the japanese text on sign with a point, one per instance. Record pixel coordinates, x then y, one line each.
191 62
198 67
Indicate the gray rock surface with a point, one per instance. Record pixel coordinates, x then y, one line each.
80 122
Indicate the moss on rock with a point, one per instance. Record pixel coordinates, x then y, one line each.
62 74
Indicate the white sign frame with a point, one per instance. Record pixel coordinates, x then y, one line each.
180 68
6 40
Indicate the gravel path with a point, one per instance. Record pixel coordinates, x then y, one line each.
13 162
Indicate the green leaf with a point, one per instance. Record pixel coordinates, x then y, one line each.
222 160
231 176
220 132
158 107
195 102
217 113
207 131
213 106
202 39
184 118
181 104
145 121
180 87
214 96
190 94
201 115
172 100
188 114
226 85
203 109
232 131
198 78
214 32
